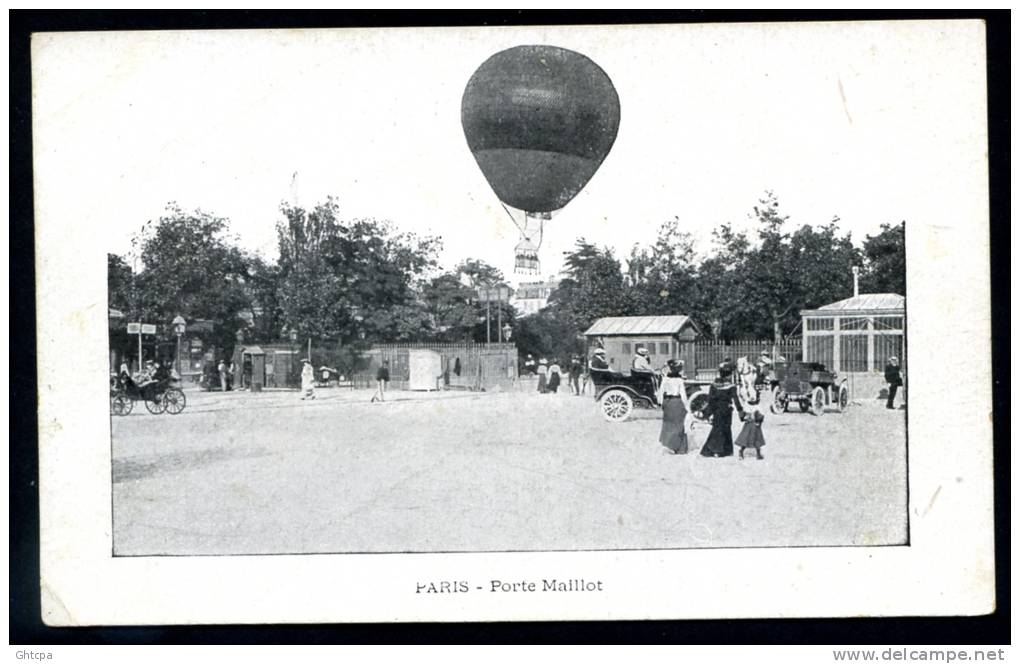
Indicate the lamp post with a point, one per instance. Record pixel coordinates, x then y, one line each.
180 325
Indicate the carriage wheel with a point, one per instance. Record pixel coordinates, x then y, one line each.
121 405
779 402
844 397
174 401
817 401
155 405
616 406
698 403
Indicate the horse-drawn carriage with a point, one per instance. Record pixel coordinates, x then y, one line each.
158 396
619 394
808 384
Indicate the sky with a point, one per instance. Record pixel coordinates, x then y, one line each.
854 120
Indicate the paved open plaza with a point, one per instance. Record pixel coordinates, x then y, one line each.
243 473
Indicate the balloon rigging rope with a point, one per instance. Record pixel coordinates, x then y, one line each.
512 218
541 226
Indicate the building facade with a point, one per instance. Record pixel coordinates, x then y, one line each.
532 296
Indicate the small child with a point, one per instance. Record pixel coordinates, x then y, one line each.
750 435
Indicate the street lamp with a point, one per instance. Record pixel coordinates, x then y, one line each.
180 325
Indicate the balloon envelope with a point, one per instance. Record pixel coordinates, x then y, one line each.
539 120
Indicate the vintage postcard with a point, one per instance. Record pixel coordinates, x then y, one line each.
530 323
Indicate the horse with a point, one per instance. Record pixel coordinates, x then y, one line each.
746 376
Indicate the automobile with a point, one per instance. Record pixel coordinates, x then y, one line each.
619 394
810 385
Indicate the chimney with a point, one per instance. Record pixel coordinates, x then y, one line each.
857 271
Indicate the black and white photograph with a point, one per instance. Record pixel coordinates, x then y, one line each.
586 301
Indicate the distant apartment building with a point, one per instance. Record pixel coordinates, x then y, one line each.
533 295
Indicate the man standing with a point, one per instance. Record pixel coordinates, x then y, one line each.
382 376
575 375
893 377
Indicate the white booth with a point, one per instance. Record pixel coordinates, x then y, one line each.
425 368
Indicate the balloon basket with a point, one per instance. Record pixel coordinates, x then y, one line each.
526 263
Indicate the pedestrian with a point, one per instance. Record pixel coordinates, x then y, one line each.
722 398
222 369
751 435
382 376
231 375
575 375
543 372
554 376
307 380
894 378
675 407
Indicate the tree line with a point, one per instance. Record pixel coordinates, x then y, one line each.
357 282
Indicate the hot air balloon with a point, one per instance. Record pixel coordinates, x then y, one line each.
539 121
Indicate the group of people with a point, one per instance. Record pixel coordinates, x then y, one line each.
550 374
227 373
723 399
153 379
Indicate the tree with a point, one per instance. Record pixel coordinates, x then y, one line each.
885 261
451 308
191 267
760 286
119 284
594 287
478 274
345 280
266 309
454 306
661 278
545 334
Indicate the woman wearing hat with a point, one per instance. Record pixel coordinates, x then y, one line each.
543 372
722 398
675 406
641 363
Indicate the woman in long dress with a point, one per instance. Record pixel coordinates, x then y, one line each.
722 398
554 376
307 381
543 371
675 406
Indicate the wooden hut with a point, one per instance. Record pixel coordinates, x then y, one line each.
665 337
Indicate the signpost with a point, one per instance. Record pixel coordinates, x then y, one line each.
498 294
140 329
